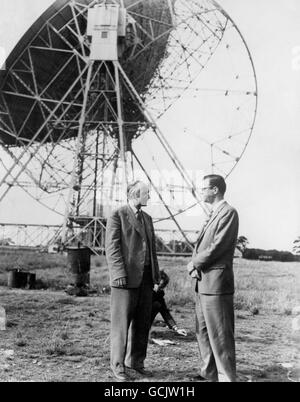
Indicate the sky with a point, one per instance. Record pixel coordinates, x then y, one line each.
265 185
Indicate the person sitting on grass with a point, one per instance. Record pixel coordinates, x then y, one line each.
159 305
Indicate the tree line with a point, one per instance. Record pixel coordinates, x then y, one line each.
181 247
268 255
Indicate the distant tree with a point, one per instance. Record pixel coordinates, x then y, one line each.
268 255
251 254
286 256
296 247
242 243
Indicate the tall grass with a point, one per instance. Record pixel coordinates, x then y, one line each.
267 285
259 285
30 260
52 270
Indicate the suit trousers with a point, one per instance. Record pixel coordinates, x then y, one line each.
130 323
159 306
215 336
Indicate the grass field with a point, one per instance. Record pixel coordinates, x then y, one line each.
52 336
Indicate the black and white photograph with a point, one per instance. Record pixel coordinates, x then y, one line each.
149 193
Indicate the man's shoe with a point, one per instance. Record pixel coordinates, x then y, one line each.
119 374
143 371
199 378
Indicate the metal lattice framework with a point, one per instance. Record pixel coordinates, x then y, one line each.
69 125
47 238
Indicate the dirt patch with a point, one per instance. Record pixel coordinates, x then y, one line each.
56 337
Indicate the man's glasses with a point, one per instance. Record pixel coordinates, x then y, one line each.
205 188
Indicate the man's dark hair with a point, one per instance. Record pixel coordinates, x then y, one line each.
218 181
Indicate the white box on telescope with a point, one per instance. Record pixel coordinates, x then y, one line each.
103 23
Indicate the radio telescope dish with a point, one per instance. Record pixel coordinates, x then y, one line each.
176 92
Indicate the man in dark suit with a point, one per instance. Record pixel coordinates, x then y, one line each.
159 305
212 268
132 261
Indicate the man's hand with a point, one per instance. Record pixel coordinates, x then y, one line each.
195 275
190 267
120 283
192 271
181 331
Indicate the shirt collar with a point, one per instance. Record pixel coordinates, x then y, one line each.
133 207
217 205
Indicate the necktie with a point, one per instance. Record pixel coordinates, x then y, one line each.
205 223
140 219
139 216
207 219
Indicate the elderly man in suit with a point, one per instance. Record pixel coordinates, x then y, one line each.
132 261
212 269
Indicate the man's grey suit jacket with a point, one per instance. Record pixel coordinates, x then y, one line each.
214 251
125 247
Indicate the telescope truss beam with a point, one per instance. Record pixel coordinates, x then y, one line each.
67 124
